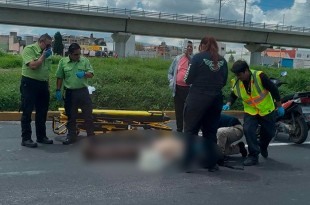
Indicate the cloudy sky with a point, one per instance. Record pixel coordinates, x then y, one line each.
289 12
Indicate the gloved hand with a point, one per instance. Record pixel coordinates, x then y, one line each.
48 53
226 107
281 111
58 95
80 74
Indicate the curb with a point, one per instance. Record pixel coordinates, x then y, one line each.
15 116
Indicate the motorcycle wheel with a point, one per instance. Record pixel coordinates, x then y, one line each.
301 131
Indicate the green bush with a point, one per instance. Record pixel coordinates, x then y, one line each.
10 61
2 53
132 83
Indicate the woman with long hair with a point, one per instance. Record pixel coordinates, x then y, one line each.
207 75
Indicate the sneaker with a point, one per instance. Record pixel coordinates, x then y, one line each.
45 140
242 149
29 143
250 161
264 152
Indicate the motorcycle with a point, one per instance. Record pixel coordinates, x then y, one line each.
296 120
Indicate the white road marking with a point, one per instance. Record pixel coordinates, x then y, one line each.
282 143
274 144
21 173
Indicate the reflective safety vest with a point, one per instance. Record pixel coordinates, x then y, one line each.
259 101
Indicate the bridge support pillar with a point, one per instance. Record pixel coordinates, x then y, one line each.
256 49
120 39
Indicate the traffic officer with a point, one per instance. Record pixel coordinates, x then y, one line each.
73 72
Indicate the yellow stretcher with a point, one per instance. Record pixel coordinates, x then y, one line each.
115 120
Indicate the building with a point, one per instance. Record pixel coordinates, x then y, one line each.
221 46
29 40
11 43
4 43
279 57
302 59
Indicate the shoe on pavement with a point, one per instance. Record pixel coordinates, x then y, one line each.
69 140
29 143
250 161
243 150
45 140
214 168
264 152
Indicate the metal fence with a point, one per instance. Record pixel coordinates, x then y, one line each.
151 14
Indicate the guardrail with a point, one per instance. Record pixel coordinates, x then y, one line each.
151 14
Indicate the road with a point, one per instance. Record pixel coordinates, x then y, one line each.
56 174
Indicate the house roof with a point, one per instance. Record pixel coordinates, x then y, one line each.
280 53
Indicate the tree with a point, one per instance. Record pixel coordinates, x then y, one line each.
58 47
139 47
100 42
231 52
231 59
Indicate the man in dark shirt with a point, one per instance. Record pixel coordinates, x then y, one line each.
258 94
230 130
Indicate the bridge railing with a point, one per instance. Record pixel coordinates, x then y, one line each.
152 14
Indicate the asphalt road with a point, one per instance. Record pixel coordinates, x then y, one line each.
56 174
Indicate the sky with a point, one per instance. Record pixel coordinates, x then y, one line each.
287 12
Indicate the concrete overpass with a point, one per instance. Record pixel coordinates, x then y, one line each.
123 22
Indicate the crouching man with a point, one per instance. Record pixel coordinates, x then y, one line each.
230 130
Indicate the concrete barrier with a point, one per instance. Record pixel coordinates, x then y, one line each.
15 116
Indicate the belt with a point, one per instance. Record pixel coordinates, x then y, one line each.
77 89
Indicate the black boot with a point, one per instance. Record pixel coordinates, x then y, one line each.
45 140
250 161
264 152
242 149
29 143
69 140
214 168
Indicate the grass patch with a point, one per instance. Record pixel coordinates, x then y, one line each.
131 83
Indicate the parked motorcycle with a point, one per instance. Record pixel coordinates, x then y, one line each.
296 120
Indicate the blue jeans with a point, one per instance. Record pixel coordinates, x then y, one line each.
267 131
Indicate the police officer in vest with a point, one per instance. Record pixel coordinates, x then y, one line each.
258 96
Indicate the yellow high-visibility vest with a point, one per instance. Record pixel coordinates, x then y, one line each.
259 101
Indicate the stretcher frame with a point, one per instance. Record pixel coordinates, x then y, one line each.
114 120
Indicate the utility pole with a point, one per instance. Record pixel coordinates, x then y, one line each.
220 10
244 12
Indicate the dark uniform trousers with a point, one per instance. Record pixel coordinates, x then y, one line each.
75 99
34 94
267 131
181 93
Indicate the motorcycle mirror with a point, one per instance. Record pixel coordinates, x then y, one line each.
283 73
